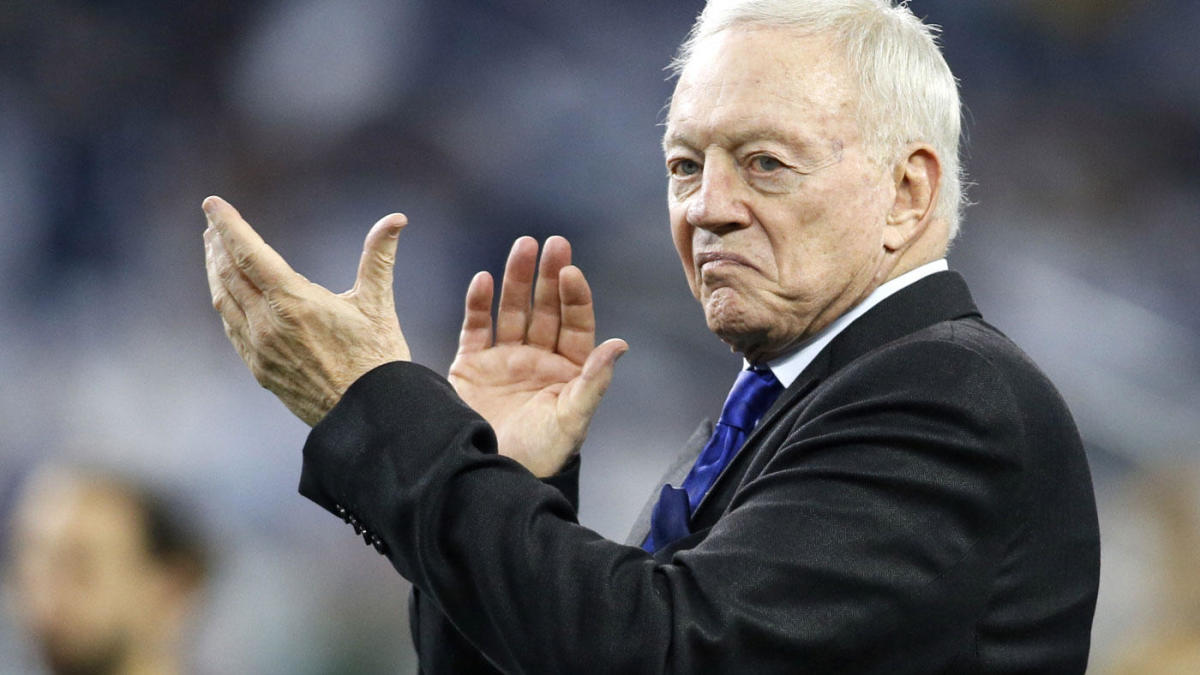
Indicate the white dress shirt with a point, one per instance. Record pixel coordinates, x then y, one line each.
787 368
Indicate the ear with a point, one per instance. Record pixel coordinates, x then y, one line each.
918 179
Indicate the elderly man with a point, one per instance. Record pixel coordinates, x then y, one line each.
892 486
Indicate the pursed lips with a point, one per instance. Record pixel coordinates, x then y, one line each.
712 259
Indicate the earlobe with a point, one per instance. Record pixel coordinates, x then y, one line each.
917 178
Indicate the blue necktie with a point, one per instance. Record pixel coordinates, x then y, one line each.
750 398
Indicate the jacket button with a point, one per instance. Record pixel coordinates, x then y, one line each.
380 547
342 513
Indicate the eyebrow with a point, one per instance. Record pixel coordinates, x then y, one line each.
824 157
743 137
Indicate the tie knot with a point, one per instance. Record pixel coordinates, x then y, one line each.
750 398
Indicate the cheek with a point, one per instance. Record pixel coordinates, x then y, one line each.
681 235
843 222
817 260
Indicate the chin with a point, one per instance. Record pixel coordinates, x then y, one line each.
756 335
736 330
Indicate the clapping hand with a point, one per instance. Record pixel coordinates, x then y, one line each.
302 342
536 376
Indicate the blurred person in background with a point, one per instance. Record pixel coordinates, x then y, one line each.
1170 644
915 500
104 573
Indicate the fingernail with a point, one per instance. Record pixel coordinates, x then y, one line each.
392 224
210 204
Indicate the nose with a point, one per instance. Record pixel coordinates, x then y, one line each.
719 203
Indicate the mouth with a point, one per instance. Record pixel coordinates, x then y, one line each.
712 260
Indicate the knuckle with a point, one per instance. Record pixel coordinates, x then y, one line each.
241 258
286 306
385 259
262 334
275 303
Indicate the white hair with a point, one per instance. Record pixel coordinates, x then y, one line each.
907 92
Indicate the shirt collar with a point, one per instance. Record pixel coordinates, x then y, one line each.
787 368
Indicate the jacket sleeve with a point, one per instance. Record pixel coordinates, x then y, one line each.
440 646
865 546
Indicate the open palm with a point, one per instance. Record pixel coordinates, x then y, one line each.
537 376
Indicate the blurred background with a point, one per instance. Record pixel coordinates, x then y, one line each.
486 120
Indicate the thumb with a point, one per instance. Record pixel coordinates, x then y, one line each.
597 374
374 281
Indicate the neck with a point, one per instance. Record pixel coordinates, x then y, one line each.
932 244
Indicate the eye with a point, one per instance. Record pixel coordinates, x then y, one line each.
683 168
765 163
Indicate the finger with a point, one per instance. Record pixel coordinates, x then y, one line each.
547 312
512 316
477 319
374 280
577 334
247 297
232 315
261 265
584 398
255 310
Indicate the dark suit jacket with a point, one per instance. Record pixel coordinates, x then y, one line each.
918 501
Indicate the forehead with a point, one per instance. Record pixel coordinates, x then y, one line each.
66 513
753 81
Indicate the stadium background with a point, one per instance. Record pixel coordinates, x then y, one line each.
485 120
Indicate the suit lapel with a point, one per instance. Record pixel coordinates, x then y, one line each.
791 397
938 297
674 475
934 299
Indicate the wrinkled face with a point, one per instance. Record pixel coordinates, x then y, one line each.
83 579
777 211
